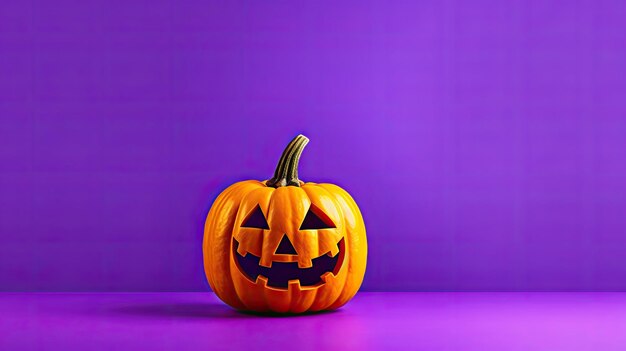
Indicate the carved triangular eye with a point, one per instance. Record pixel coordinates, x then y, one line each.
316 219
255 219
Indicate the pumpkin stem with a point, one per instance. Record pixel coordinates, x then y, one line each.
286 173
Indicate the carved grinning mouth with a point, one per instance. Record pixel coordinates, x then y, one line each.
281 273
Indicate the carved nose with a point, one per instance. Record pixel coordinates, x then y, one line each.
285 247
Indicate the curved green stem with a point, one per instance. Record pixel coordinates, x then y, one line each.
286 173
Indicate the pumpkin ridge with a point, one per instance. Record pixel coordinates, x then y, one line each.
259 197
297 305
209 223
311 189
239 193
358 259
243 193
299 194
209 248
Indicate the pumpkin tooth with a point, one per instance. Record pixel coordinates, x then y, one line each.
333 251
262 280
265 262
243 252
293 284
327 276
305 263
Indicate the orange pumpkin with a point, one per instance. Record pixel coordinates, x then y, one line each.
283 245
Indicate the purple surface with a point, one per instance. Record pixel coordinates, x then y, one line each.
485 141
376 321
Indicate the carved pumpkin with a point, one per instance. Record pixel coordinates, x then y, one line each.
283 245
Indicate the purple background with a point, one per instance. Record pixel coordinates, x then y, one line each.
484 141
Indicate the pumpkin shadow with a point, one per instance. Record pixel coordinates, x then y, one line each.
183 310
192 310
284 315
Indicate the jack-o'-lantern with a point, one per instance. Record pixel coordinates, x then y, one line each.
283 245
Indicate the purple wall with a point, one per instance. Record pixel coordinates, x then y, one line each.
484 141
